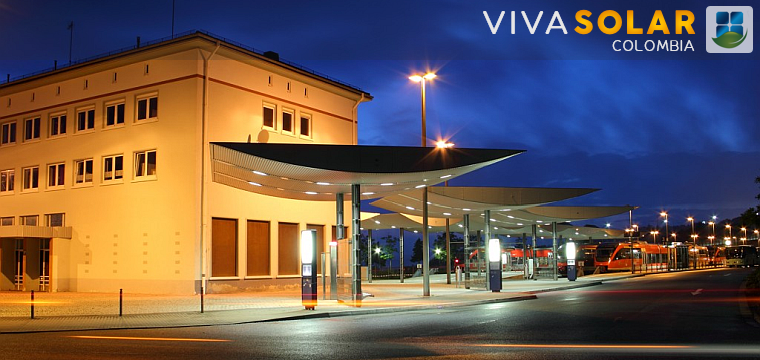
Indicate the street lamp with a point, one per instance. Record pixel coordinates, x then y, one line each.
654 235
425 241
744 229
629 231
728 226
664 214
694 239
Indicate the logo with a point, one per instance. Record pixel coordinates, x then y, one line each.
729 29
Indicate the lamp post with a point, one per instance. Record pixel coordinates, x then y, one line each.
664 214
728 226
440 144
425 241
712 223
629 232
694 239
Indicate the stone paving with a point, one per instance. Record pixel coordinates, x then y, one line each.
87 311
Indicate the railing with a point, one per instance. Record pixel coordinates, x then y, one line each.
167 38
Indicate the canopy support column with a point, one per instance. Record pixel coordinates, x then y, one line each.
554 249
467 250
401 254
487 230
356 223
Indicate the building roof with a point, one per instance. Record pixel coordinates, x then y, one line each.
318 172
267 56
455 201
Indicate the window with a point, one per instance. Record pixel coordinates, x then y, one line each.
145 164
86 119
287 121
115 114
113 168
54 219
31 129
7 221
30 178
147 108
305 129
56 174
7 180
58 125
9 133
83 171
268 116
30 220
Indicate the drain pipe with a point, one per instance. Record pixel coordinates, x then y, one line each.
204 115
355 120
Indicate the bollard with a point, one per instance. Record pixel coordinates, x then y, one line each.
201 299
121 300
32 304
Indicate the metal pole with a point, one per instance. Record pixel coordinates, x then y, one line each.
340 231
121 300
535 254
448 253
694 238
425 240
554 249
356 223
466 221
369 255
201 299
401 254
32 303
525 255
630 238
487 232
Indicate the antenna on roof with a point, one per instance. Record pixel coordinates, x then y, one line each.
71 38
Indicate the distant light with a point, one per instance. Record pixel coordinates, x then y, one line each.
377 250
420 186
539 221
447 214
443 144
410 208
415 231
254 184
310 193
520 224
322 183
608 225
466 209
510 216
368 193
393 226
259 173
446 176
461 226
377 221
386 184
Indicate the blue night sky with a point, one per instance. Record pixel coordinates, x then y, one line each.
675 131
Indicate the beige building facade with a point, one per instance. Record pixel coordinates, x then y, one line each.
104 170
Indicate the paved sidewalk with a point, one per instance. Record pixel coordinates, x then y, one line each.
91 311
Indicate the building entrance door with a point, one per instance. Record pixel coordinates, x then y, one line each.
20 265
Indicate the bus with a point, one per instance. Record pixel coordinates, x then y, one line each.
741 255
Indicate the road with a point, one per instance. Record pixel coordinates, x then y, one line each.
678 315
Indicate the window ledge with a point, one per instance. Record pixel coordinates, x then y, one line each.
222 278
82 185
146 121
145 178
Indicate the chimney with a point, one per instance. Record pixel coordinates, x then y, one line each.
272 55
138 41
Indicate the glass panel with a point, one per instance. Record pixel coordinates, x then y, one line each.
54 126
28 129
142 106
140 164
151 163
61 172
119 166
287 122
36 126
35 177
4 181
108 169
81 121
120 114
51 175
110 115
91 119
268 117
88 171
6 131
62 123
153 107
11 180
80 172
305 126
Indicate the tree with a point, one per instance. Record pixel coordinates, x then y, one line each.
417 252
389 250
751 217
439 257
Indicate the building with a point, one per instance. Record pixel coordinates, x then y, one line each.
104 169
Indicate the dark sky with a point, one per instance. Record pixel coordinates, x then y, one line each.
663 130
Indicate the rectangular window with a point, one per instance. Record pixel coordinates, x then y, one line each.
56 174
145 163
114 114
147 108
223 247
30 178
54 220
288 254
257 259
305 130
85 119
287 121
58 125
113 168
30 220
7 180
7 221
83 171
9 133
269 120
31 129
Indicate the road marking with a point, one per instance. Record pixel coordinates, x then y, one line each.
699 291
146 338
571 346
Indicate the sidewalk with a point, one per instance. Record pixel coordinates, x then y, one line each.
91 311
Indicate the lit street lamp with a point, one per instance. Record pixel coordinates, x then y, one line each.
744 229
654 235
665 214
425 241
693 238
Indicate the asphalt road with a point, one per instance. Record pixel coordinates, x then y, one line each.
684 315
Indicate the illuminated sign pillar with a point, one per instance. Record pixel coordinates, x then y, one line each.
570 255
494 265
308 270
